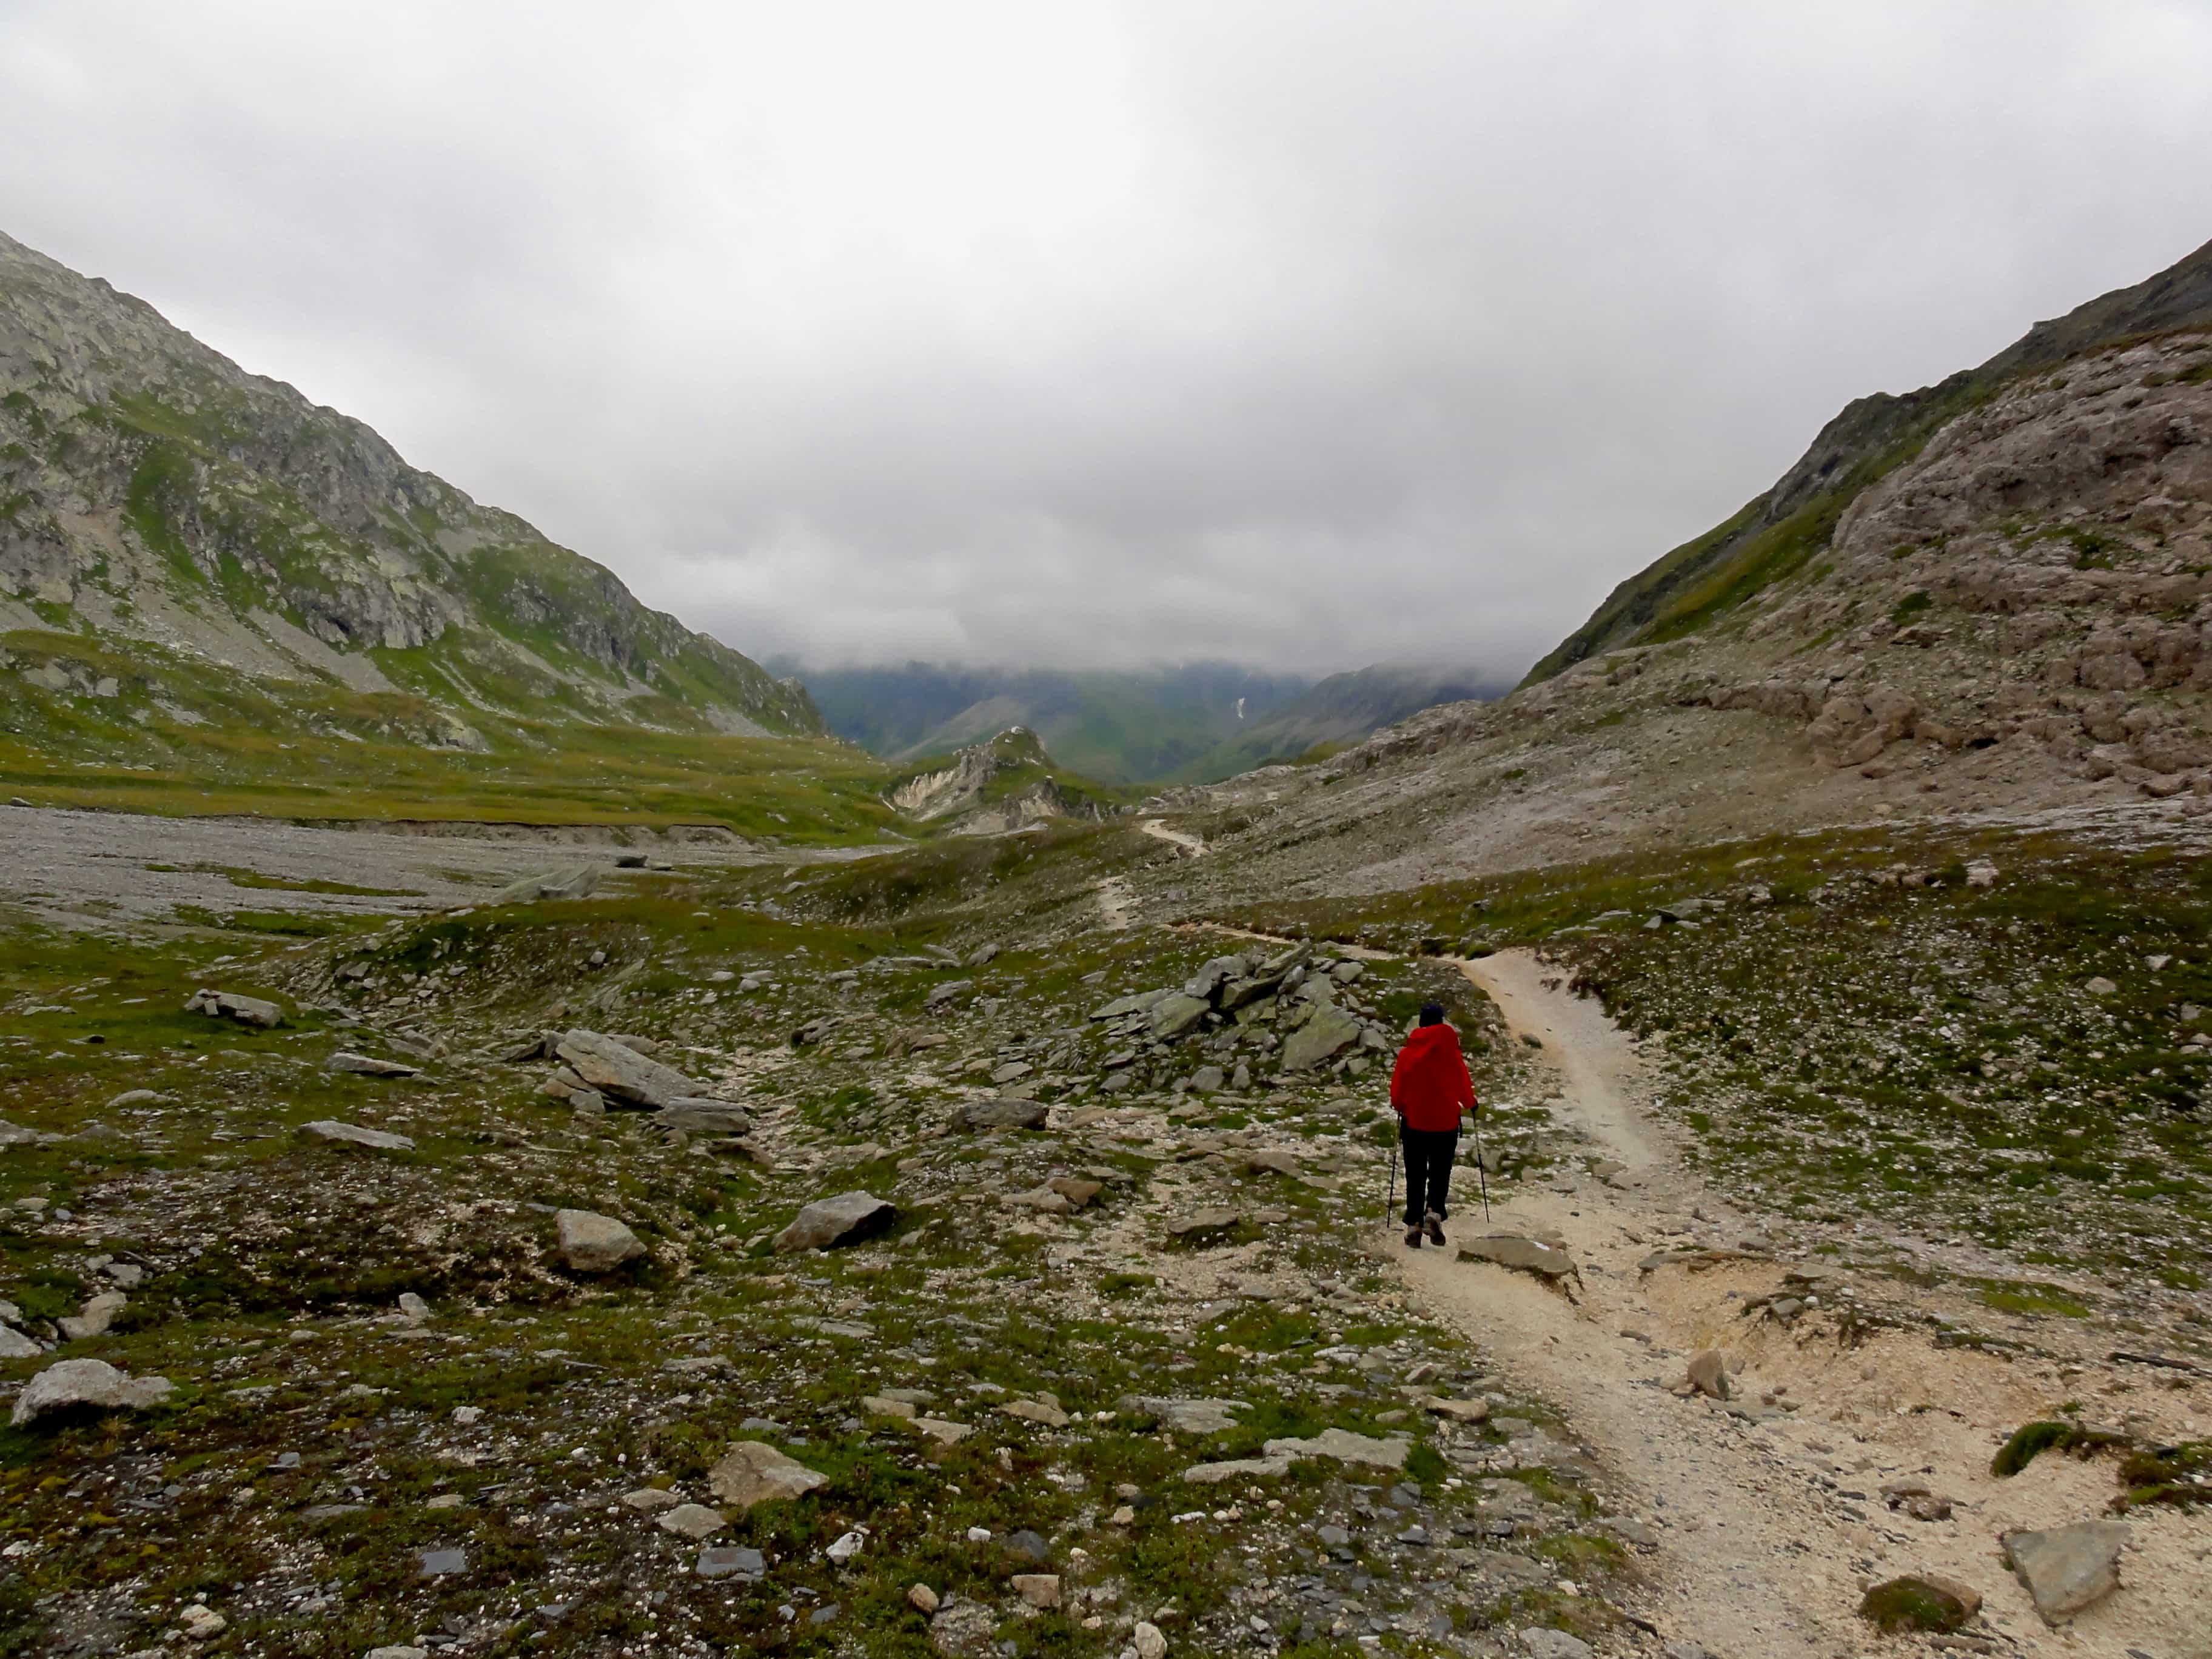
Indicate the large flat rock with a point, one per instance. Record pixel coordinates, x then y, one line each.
72 1383
753 1472
845 1219
621 1072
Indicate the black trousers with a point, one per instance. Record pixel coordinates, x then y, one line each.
1429 1154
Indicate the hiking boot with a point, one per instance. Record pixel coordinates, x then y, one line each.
1436 1228
1412 1238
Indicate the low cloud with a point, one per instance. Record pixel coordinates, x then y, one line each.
1308 335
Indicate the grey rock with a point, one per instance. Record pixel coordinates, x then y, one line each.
1199 1222
1175 1013
1008 1113
443 1564
580 881
332 1132
697 1115
1542 1643
1208 1474
1029 1546
692 1521
1186 1416
13 1345
2067 1569
847 1218
15 1134
1321 1037
367 1066
737 1561
621 1072
1208 1079
1515 1251
230 1005
1346 1447
588 1243
71 1383
1212 974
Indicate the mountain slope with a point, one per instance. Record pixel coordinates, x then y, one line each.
1780 531
216 596
2013 623
154 495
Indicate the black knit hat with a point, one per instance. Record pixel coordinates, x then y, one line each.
1432 1013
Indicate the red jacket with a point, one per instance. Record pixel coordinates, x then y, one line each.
1430 1086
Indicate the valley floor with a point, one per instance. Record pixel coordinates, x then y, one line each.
1133 1368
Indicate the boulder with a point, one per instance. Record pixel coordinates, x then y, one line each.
1076 1190
2066 1569
1175 1013
1514 1251
1208 1079
738 1561
579 883
1460 1410
1147 1641
622 1073
332 1132
845 1219
943 1430
367 1065
13 1345
1270 1163
229 1005
1327 1034
1212 974
1036 1411
1346 1447
15 1134
692 1520
1186 1416
753 1472
588 1243
1542 1642
1199 1223
694 1115
1006 1113
1212 1474
72 1383
1039 1590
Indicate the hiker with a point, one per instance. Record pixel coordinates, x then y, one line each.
1430 1088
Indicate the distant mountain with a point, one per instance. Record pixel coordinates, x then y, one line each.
1128 727
174 529
1341 710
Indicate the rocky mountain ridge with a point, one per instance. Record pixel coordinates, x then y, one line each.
160 504
2013 621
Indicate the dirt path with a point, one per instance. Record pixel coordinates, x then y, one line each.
1192 844
1770 1522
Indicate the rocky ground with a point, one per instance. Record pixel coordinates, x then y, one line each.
485 1326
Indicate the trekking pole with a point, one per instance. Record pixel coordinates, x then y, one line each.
1390 1199
1481 1175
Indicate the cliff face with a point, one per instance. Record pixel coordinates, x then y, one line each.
159 501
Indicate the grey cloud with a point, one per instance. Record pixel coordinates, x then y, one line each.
1307 334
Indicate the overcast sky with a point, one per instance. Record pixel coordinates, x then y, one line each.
1306 335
